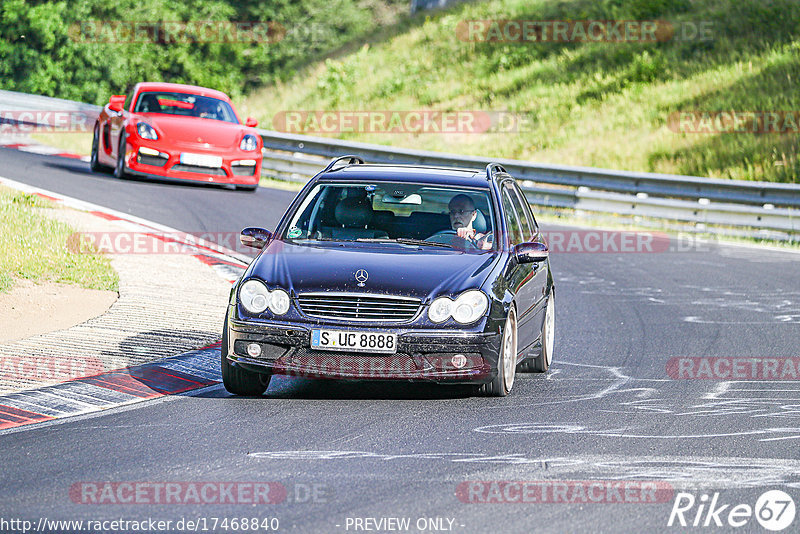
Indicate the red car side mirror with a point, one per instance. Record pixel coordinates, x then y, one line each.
251 122
116 103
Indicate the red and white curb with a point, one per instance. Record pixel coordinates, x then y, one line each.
227 263
171 376
37 148
174 375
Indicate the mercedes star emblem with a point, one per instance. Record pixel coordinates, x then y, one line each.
361 277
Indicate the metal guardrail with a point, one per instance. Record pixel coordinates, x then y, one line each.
684 198
14 101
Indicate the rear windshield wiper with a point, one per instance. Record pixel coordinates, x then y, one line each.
403 241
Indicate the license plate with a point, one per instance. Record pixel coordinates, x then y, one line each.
201 160
353 340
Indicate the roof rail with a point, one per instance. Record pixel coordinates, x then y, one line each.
350 161
493 168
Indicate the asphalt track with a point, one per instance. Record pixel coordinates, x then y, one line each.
608 410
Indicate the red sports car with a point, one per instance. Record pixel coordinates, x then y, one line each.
172 131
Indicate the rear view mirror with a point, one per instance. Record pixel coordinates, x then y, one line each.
531 252
116 103
254 237
251 122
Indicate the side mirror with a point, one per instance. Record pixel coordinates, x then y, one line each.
254 237
251 122
531 252
116 103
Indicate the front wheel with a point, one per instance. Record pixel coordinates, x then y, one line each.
506 360
94 161
119 169
237 380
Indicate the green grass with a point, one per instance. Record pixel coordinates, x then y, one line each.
596 104
34 247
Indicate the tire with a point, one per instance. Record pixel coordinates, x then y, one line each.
237 380
94 161
119 169
541 363
506 360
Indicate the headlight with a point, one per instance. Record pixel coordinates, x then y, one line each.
440 310
467 308
470 307
279 302
146 131
256 298
248 143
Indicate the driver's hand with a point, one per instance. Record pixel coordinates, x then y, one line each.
465 233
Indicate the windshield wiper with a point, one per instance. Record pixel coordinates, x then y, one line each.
321 239
403 241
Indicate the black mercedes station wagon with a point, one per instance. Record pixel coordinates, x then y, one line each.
399 273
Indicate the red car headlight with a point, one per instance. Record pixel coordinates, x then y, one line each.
248 143
146 131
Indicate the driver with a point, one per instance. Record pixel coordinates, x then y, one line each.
205 109
462 215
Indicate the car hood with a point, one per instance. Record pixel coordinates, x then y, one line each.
195 130
391 270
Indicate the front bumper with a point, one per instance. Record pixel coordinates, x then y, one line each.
422 355
167 165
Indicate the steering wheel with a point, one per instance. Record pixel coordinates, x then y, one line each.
446 237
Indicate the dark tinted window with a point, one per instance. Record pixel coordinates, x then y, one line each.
528 222
523 217
185 104
528 209
511 218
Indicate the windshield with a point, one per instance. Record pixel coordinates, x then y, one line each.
409 214
185 104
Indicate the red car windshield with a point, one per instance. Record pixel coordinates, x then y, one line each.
187 105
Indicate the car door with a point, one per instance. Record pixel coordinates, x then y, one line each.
521 275
537 285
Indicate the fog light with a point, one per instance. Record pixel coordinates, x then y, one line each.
459 361
254 350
